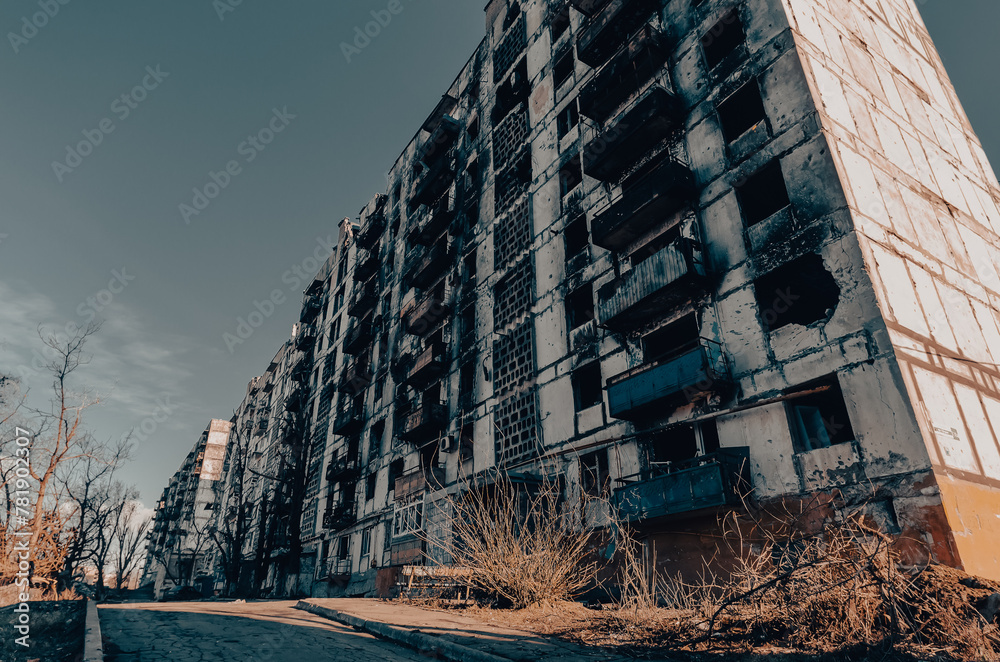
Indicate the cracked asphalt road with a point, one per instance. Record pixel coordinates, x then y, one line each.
257 631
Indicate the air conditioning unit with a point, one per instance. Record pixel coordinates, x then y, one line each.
447 444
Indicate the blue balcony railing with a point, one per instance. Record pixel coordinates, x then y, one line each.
703 483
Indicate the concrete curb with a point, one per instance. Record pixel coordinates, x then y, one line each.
93 646
423 643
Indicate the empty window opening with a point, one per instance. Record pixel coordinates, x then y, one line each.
344 548
470 269
370 487
570 175
467 381
799 292
820 420
710 442
580 306
375 440
674 445
725 37
560 21
568 118
513 13
577 236
595 479
564 68
473 129
467 322
763 194
742 111
587 386
672 340
395 471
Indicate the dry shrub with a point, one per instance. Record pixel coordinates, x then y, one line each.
518 541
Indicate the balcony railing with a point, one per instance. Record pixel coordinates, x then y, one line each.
418 481
305 337
426 267
441 140
689 487
344 467
429 365
436 220
424 423
608 29
436 179
647 200
312 304
356 377
364 299
421 316
372 230
359 337
296 399
653 288
342 516
349 420
367 266
652 390
301 370
634 65
620 146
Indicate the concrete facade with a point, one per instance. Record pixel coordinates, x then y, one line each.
179 552
671 249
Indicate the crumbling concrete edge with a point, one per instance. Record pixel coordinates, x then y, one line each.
423 643
93 645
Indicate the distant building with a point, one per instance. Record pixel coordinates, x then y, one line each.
179 549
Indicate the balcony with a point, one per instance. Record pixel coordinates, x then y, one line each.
305 337
296 399
424 423
342 516
372 230
349 420
366 267
312 304
442 138
647 200
429 365
420 316
435 180
427 267
364 299
301 370
619 147
588 7
655 389
624 75
345 467
611 27
417 482
691 487
359 337
434 223
653 288
356 377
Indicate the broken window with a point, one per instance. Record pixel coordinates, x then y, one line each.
366 541
580 306
798 292
467 381
673 445
513 13
375 440
473 128
470 270
568 118
370 487
595 479
722 39
672 340
577 236
345 548
560 21
564 67
570 175
395 471
587 386
763 194
741 111
820 419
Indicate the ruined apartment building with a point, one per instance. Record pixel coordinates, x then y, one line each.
669 247
178 552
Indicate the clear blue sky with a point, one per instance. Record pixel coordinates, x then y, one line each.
110 219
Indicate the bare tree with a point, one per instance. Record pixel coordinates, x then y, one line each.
229 530
129 534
